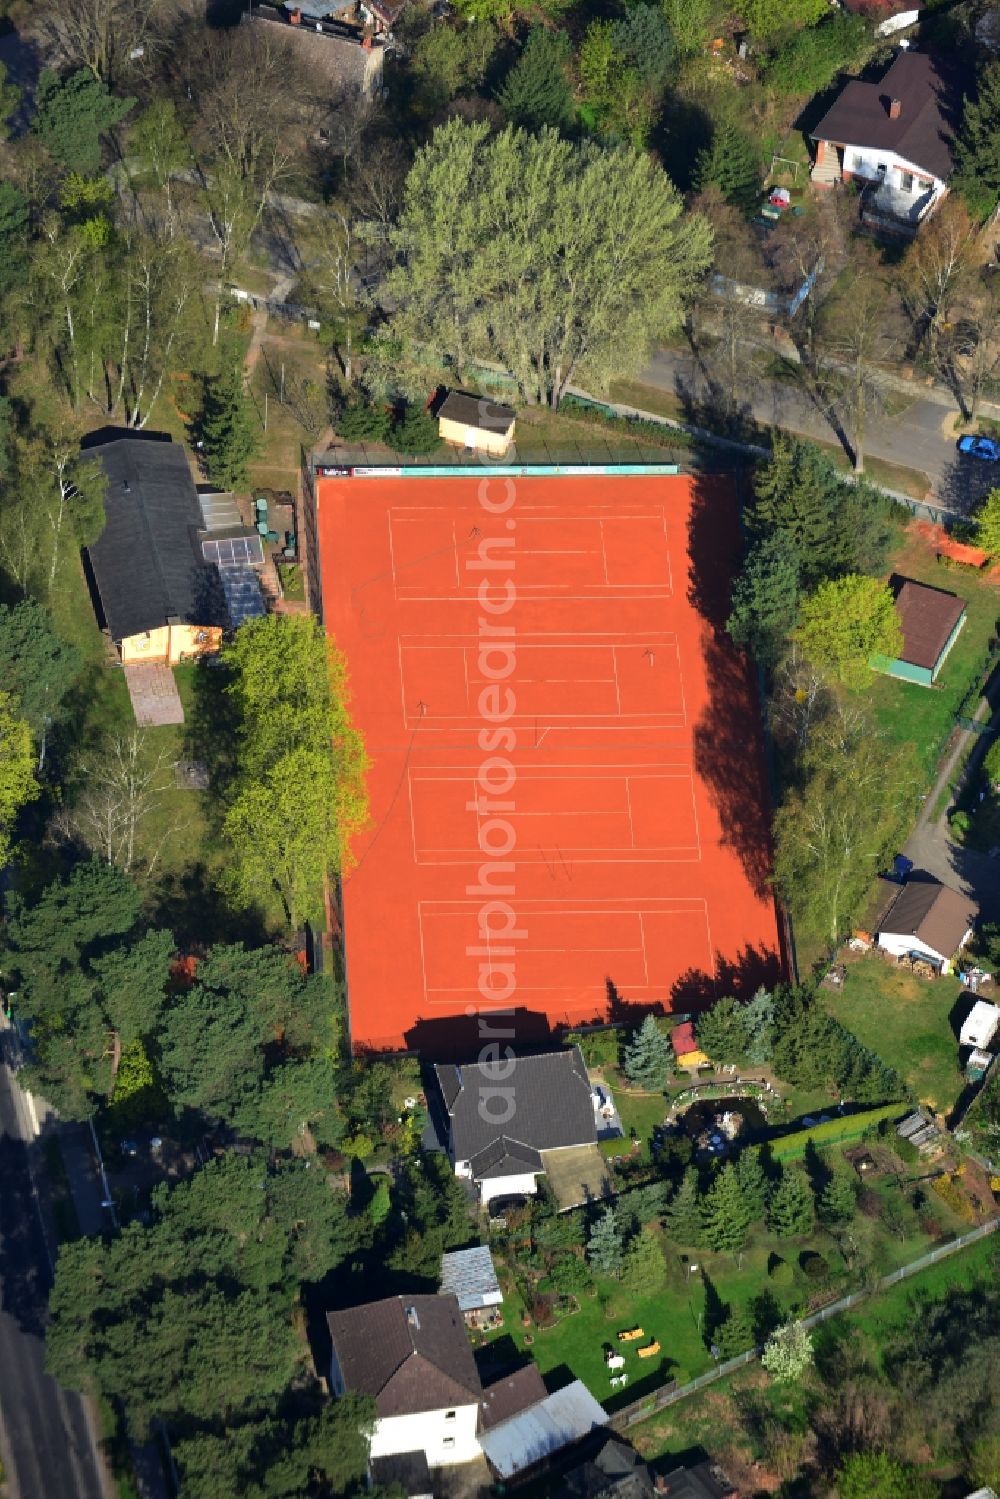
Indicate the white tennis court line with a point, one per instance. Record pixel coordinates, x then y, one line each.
674 853
674 718
538 590
645 951
651 906
628 802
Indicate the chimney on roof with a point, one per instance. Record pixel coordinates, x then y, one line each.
895 108
412 1317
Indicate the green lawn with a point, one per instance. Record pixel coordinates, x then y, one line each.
574 1346
672 1316
711 1418
924 716
905 1020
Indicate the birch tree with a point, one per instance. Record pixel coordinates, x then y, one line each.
935 266
560 262
331 252
854 337
842 822
123 790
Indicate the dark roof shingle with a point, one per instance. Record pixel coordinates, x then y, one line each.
512 1394
927 617
476 411
545 1102
147 561
411 1353
930 96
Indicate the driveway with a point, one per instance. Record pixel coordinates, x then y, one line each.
931 847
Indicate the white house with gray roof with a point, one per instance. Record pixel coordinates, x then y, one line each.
510 1121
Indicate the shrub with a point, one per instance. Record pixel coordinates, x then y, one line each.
810 59
415 432
598 1048
949 1190
781 1273
813 1265
542 1312
960 823
361 422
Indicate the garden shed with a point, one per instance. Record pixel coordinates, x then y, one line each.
476 422
930 619
686 1049
927 920
469 1275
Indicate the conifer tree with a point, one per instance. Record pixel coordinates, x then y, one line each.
537 90
790 1212
727 1212
838 1200
643 1267
647 1055
604 1247
731 163
683 1217
228 429
735 1334
977 149
753 1181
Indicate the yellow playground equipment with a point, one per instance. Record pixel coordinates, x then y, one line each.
649 1349
629 1335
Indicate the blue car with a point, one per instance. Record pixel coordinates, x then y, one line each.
981 447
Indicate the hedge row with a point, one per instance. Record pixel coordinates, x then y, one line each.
848 1127
659 433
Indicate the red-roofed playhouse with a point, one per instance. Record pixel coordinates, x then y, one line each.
568 807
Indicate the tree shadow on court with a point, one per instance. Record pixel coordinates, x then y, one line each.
462 1038
626 1012
728 740
753 968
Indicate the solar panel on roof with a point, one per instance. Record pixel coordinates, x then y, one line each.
219 511
234 551
244 599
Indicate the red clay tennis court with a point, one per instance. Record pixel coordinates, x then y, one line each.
544 624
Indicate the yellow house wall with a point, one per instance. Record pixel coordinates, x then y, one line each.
171 643
494 443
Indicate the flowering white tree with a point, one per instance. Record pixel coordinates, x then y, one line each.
788 1353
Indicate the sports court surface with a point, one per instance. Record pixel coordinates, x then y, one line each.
627 880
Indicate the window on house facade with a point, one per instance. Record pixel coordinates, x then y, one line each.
448 1442
450 1415
906 181
882 168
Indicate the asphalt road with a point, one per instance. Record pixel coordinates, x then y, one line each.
47 1439
919 436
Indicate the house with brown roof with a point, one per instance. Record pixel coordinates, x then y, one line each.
930 620
894 138
928 920
412 1355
